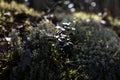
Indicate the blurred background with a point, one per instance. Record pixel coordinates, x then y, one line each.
91 6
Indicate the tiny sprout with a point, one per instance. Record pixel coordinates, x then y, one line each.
59 40
53 44
8 39
58 27
56 36
68 39
7 14
73 29
63 36
67 24
62 29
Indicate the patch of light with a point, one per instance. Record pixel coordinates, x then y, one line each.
93 4
99 14
72 9
26 0
71 5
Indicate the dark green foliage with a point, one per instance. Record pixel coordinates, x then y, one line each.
94 50
43 68
98 51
